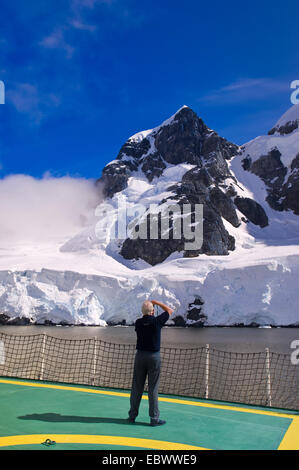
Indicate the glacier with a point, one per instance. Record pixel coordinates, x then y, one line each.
264 291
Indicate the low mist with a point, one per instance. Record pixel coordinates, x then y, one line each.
46 209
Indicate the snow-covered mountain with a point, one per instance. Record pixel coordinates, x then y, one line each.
246 270
275 159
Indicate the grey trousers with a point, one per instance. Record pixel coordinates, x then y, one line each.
148 364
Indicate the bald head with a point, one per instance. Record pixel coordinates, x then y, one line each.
147 308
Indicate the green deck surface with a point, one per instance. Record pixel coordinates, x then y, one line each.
27 410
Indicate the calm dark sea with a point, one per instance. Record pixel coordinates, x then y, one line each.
228 339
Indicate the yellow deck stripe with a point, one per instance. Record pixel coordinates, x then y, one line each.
63 387
289 440
30 439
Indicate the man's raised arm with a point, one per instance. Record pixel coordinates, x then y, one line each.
163 306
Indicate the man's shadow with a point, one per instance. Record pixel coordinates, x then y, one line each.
57 418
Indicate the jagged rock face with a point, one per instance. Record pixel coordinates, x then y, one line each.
283 193
189 140
278 165
286 128
290 190
195 312
271 170
184 138
115 177
252 210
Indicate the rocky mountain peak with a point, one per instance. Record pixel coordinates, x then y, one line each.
288 123
203 176
183 138
275 159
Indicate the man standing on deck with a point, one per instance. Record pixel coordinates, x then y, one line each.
147 359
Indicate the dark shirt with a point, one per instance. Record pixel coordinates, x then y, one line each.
148 329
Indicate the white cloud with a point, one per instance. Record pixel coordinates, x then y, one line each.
244 89
80 18
56 40
77 23
28 99
44 210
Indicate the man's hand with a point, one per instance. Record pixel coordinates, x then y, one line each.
163 306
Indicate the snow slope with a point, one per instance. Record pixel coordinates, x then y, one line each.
84 279
291 115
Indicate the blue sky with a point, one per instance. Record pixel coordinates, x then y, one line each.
81 76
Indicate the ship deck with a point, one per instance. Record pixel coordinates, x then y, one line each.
81 417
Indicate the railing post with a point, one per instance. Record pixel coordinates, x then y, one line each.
2 353
94 361
269 398
207 371
41 377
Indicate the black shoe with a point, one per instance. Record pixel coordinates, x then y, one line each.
157 422
131 420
